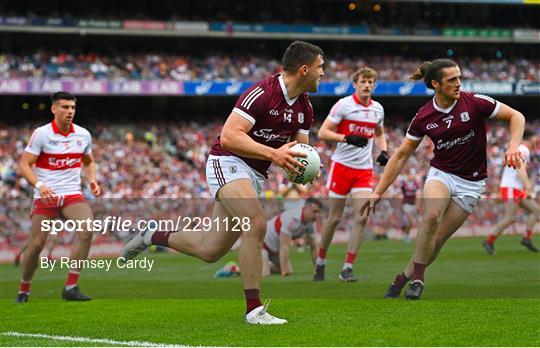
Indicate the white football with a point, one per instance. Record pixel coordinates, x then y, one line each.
312 164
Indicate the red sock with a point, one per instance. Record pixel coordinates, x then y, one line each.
401 280
72 278
418 273
25 287
161 238
350 257
528 234
322 253
252 299
491 239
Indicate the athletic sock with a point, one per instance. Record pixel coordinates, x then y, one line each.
160 238
401 280
528 234
252 299
72 278
418 273
349 260
24 287
491 239
321 259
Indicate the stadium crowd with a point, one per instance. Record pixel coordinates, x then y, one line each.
180 67
165 165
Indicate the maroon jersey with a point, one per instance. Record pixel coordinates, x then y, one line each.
458 134
275 117
409 188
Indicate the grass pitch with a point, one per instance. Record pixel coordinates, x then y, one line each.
470 299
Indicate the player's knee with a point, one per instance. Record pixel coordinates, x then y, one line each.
334 218
36 245
257 228
210 258
432 218
85 236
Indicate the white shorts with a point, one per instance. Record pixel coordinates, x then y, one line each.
409 208
464 192
221 170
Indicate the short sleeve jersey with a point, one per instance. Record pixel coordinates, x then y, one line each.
60 157
408 189
353 117
275 117
458 134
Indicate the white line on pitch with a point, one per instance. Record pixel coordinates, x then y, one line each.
90 340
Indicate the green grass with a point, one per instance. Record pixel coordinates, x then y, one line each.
470 299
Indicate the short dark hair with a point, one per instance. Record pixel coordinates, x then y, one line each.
62 95
299 53
528 133
315 201
432 71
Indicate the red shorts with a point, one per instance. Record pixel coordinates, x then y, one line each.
342 179
52 209
510 193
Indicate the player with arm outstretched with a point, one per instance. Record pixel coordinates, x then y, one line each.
456 123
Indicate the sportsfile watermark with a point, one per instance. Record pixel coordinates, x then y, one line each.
119 224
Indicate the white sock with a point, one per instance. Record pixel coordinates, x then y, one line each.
347 265
320 262
69 287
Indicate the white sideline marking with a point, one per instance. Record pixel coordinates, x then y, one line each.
90 340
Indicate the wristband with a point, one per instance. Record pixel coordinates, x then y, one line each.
38 184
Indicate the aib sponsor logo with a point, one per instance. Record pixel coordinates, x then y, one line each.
267 135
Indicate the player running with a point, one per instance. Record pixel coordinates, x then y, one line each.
517 191
456 123
267 120
58 150
293 223
354 122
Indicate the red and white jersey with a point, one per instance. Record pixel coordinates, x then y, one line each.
352 117
59 157
290 223
510 175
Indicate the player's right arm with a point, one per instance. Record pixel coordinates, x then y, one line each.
395 165
235 138
25 168
29 158
284 261
328 132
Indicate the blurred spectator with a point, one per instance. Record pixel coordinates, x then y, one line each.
164 66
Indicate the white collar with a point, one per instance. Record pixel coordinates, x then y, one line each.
444 111
284 90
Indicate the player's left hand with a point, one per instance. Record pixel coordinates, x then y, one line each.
383 158
369 206
95 189
513 157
